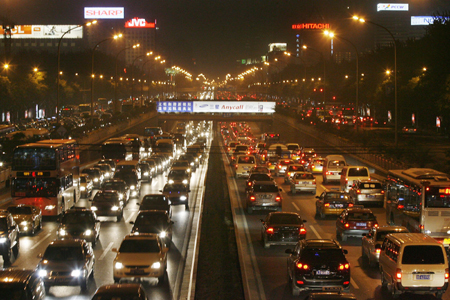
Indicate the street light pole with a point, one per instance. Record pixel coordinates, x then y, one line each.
59 64
132 72
395 73
115 77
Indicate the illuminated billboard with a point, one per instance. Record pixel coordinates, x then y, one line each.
104 13
311 26
215 107
424 20
44 32
138 23
392 7
277 47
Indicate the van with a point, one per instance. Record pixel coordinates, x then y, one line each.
414 263
332 168
351 173
244 163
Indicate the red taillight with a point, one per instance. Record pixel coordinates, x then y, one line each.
312 166
350 205
421 227
327 205
446 275
300 282
344 266
289 173
278 198
346 179
249 184
382 192
377 251
302 230
302 266
269 230
400 206
236 166
279 166
347 225
252 198
358 191
398 274
314 181
375 225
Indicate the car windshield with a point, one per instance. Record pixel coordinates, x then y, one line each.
241 148
115 186
149 200
105 197
83 179
175 188
151 220
358 172
285 162
61 253
20 210
304 176
336 163
139 246
259 177
382 234
9 292
246 160
91 172
296 168
336 196
361 216
292 147
78 218
177 173
320 256
180 164
285 219
423 255
371 186
263 188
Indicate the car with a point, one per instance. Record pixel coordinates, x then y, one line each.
256 177
316 165
154 168
154 221
177 193
179 175
260 169
303 181
332 203
120 186
146 174
140 256
21 284
231 147
28 217
371 242
110 162
307 155
409 129
290 171
9 237
282 228
239 150
155 201
317 265
108 204
81 223
331 296
67 262
106 170
282 166
96 175
354 222
367 192
264 195
243 165
132 181
191 159
182 164
350 174
86 185
134 291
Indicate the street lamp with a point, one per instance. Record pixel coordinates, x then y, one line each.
331 35
59 63
115 77
362 20
115 37
132 72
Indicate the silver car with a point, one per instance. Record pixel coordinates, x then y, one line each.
367 192
264 195
303 181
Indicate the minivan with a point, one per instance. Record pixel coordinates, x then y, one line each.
415 263
351 173
332 168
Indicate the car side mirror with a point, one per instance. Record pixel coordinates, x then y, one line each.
318 197
289 251
345 251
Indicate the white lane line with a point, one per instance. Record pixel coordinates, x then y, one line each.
353 283
106 251
43 239
295 205
132 216
315 232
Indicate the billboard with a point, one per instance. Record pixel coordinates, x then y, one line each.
277 47
215 107
44 32
392 7
311 26
104 13
139 23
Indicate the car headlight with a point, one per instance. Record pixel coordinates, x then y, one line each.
192 163
82 188
61 232
145 173
118 265
120 196
76 273
107 174
156 265
171 181
24 223
94 208
42 273
189 170
183 198
185 181
133 187
153 169
196 159
50 207
95 179
88 232
134 193
162 234
115 208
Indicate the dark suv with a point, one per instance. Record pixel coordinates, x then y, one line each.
79 223
21 284
9 236
108 204
317 265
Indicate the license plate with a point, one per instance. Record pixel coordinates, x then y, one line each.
370 196
246 168
331 288
322 272
338 205
139 271
423 277
265 196
361 224
305 182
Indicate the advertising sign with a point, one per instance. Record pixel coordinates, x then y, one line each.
277 47
216 107
175 106
311 26
104 13
392 7
44 32
138 23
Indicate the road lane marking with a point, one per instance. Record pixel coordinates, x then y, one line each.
43 239
106 251
315 232
130 217
353 283
295 205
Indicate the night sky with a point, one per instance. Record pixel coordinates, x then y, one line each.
213 34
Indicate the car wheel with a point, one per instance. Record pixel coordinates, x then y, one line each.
372 262
91 276
438 295
266 243
119 217
295 290
322 215
40 223
7 257
47 288
293 191
317 213
84 284
186 206
32 231
391 219
394 293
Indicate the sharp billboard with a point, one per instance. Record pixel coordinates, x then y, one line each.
104 13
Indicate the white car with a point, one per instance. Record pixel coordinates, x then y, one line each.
86 185
303 181
244 163
141 256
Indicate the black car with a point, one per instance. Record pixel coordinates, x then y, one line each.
256 177
132 180
9 236
120 186
96 175
318 265
177 193
21 284
108 204
110 162
154 221
154 169
282 228
191 159
155 202
79 223
146 173
133 291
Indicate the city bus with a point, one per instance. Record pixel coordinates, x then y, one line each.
419 199
46 175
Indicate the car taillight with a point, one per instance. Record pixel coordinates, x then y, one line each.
398 274
312 166
346 179
382 192
400 206
378 251
278 198
236 166
328 173
446 275
269 230
344 266
252 198
302 230
314 181
375 225
347 225
421 227
279 166
302 266
249 184
327 205
350 205
289 173
358 191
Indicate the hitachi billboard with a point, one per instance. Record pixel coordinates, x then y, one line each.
104 13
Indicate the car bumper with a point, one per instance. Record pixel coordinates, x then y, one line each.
322 284
355 232
332 211
63 280
178 201
303 188
138 272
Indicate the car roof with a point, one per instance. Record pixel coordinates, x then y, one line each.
322 243
15 276
257 182
67 242
392 228
119 289
141 236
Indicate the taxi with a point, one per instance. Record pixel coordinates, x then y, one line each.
332 203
